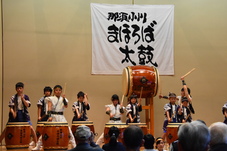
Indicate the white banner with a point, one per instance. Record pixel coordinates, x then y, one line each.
128 35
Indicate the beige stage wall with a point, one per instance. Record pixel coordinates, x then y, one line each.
48 42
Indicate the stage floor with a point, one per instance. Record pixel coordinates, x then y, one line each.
3 148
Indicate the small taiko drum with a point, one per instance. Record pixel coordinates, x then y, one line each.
137 78
75 124
89 124
120 126
143 126
171 133
55 136
17 135
39 128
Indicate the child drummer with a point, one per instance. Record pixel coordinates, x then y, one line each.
171 110
80 107
115 110
133 108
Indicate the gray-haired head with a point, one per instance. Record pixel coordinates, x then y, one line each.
193 136
218 133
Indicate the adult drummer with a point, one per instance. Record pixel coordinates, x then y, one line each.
115 110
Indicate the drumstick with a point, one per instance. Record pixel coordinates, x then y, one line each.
122 99
64 89
188 73
141 92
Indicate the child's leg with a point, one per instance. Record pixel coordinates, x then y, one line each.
2 135
33 134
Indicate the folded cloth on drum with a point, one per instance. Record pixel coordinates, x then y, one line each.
115 119
58 113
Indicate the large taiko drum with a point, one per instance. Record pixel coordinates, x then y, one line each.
39 128
55 136
17 135
171 133
135 78
120 126
143 126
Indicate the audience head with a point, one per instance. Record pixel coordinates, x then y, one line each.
113 133
133 137
83 133
148 141
218 133
159 143
193 136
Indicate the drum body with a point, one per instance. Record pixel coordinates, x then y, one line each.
120 126
55 136
143 126
171 134
89 124
17 135
39 128
135 78
75 124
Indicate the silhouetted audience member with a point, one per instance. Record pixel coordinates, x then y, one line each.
113 145
133 138
85 140
148 142
218 136
194 136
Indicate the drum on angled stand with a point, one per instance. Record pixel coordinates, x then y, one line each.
120 126
136 77
55 136
17 135
171 133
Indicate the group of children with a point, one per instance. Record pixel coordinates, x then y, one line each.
51 108
178 113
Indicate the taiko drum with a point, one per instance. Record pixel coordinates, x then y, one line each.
39 128
17 135
75 124
143 126
171 134
137 78
55 136
120 126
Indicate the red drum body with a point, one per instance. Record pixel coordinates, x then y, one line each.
55 136
17 135
89 124
143 126
172 129
75 124
135 78
39 128
120 126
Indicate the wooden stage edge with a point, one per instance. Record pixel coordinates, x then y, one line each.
3 148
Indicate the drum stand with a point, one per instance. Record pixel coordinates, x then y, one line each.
149 115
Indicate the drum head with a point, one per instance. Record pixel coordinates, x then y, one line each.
125 81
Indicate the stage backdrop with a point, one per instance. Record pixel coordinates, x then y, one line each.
128 35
